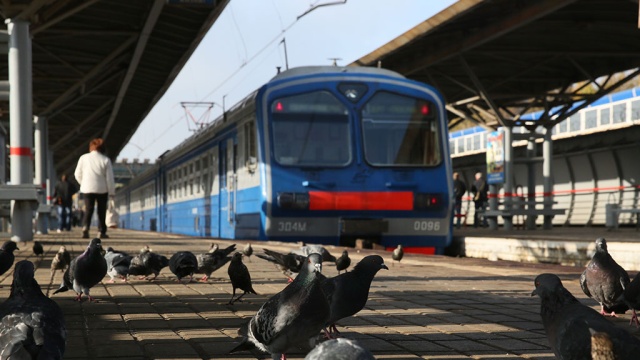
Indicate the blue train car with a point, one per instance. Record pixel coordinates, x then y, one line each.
318 154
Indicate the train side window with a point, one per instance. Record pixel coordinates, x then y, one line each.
591 119
400 130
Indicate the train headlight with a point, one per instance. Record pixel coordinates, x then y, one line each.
293 201
423 201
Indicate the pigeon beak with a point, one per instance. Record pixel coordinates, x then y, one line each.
383 266
318 267
534 292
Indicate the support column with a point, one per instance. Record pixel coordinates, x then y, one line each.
21 128
531 182
547 155
40 139
508 177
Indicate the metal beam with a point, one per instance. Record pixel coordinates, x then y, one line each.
83 5
63 140
93 72
483 35
154 14
481 90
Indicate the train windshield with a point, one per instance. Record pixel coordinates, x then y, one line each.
400 130
310 130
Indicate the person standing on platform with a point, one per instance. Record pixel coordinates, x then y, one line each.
459 188
479 190
63 195
95 175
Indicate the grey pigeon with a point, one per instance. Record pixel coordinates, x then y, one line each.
32 326
61 260
339 349
567 322
182 264
118 263
240 277
306 250
147 263
247 251
631 297
213 260
85 271
398 253
37 248
287 263
292 317
348 293
6 255
604 280
343 262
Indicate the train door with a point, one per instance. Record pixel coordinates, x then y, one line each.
228 186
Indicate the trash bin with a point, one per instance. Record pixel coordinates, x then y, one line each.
611 215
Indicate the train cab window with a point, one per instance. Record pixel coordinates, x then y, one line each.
400 130
310 130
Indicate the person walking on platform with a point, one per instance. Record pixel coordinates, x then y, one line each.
459 188
63 195
95 175
479 190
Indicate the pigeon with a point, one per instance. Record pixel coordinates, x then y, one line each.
292 317
631 297
339 349
6 255
32 326
247 251
147 263
605 281
287 263
601 346
145 249
306 250
567 322
343 262
117 264
213 260
398 253
240 277
38 250
348 293
85 271
183 263
61 260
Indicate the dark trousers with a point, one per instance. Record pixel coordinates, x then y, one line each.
89 201
480 206
457 210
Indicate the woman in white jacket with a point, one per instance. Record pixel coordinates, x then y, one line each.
95 175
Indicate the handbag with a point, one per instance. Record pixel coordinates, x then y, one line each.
112 217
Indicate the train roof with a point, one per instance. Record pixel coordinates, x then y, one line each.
322 70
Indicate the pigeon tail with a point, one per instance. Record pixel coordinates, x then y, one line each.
245 345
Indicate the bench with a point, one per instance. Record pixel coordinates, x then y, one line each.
613 211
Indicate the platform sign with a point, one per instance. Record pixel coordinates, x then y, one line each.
495 157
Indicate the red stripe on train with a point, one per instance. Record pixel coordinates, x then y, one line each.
356 200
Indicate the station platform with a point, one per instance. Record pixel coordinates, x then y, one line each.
425 307
571 246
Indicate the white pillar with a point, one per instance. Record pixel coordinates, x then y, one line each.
21 128
508 176
40 139
547 184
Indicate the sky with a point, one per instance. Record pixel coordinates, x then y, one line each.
244 46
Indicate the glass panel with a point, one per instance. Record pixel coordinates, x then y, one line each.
619 113
591 119
605 116
311 130
574 122
635 110
400 130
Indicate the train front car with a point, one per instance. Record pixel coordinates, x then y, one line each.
354 153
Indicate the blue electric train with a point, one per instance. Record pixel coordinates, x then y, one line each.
318 154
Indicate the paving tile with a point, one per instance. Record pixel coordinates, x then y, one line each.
431 307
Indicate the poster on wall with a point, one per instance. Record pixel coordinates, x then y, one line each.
495 157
